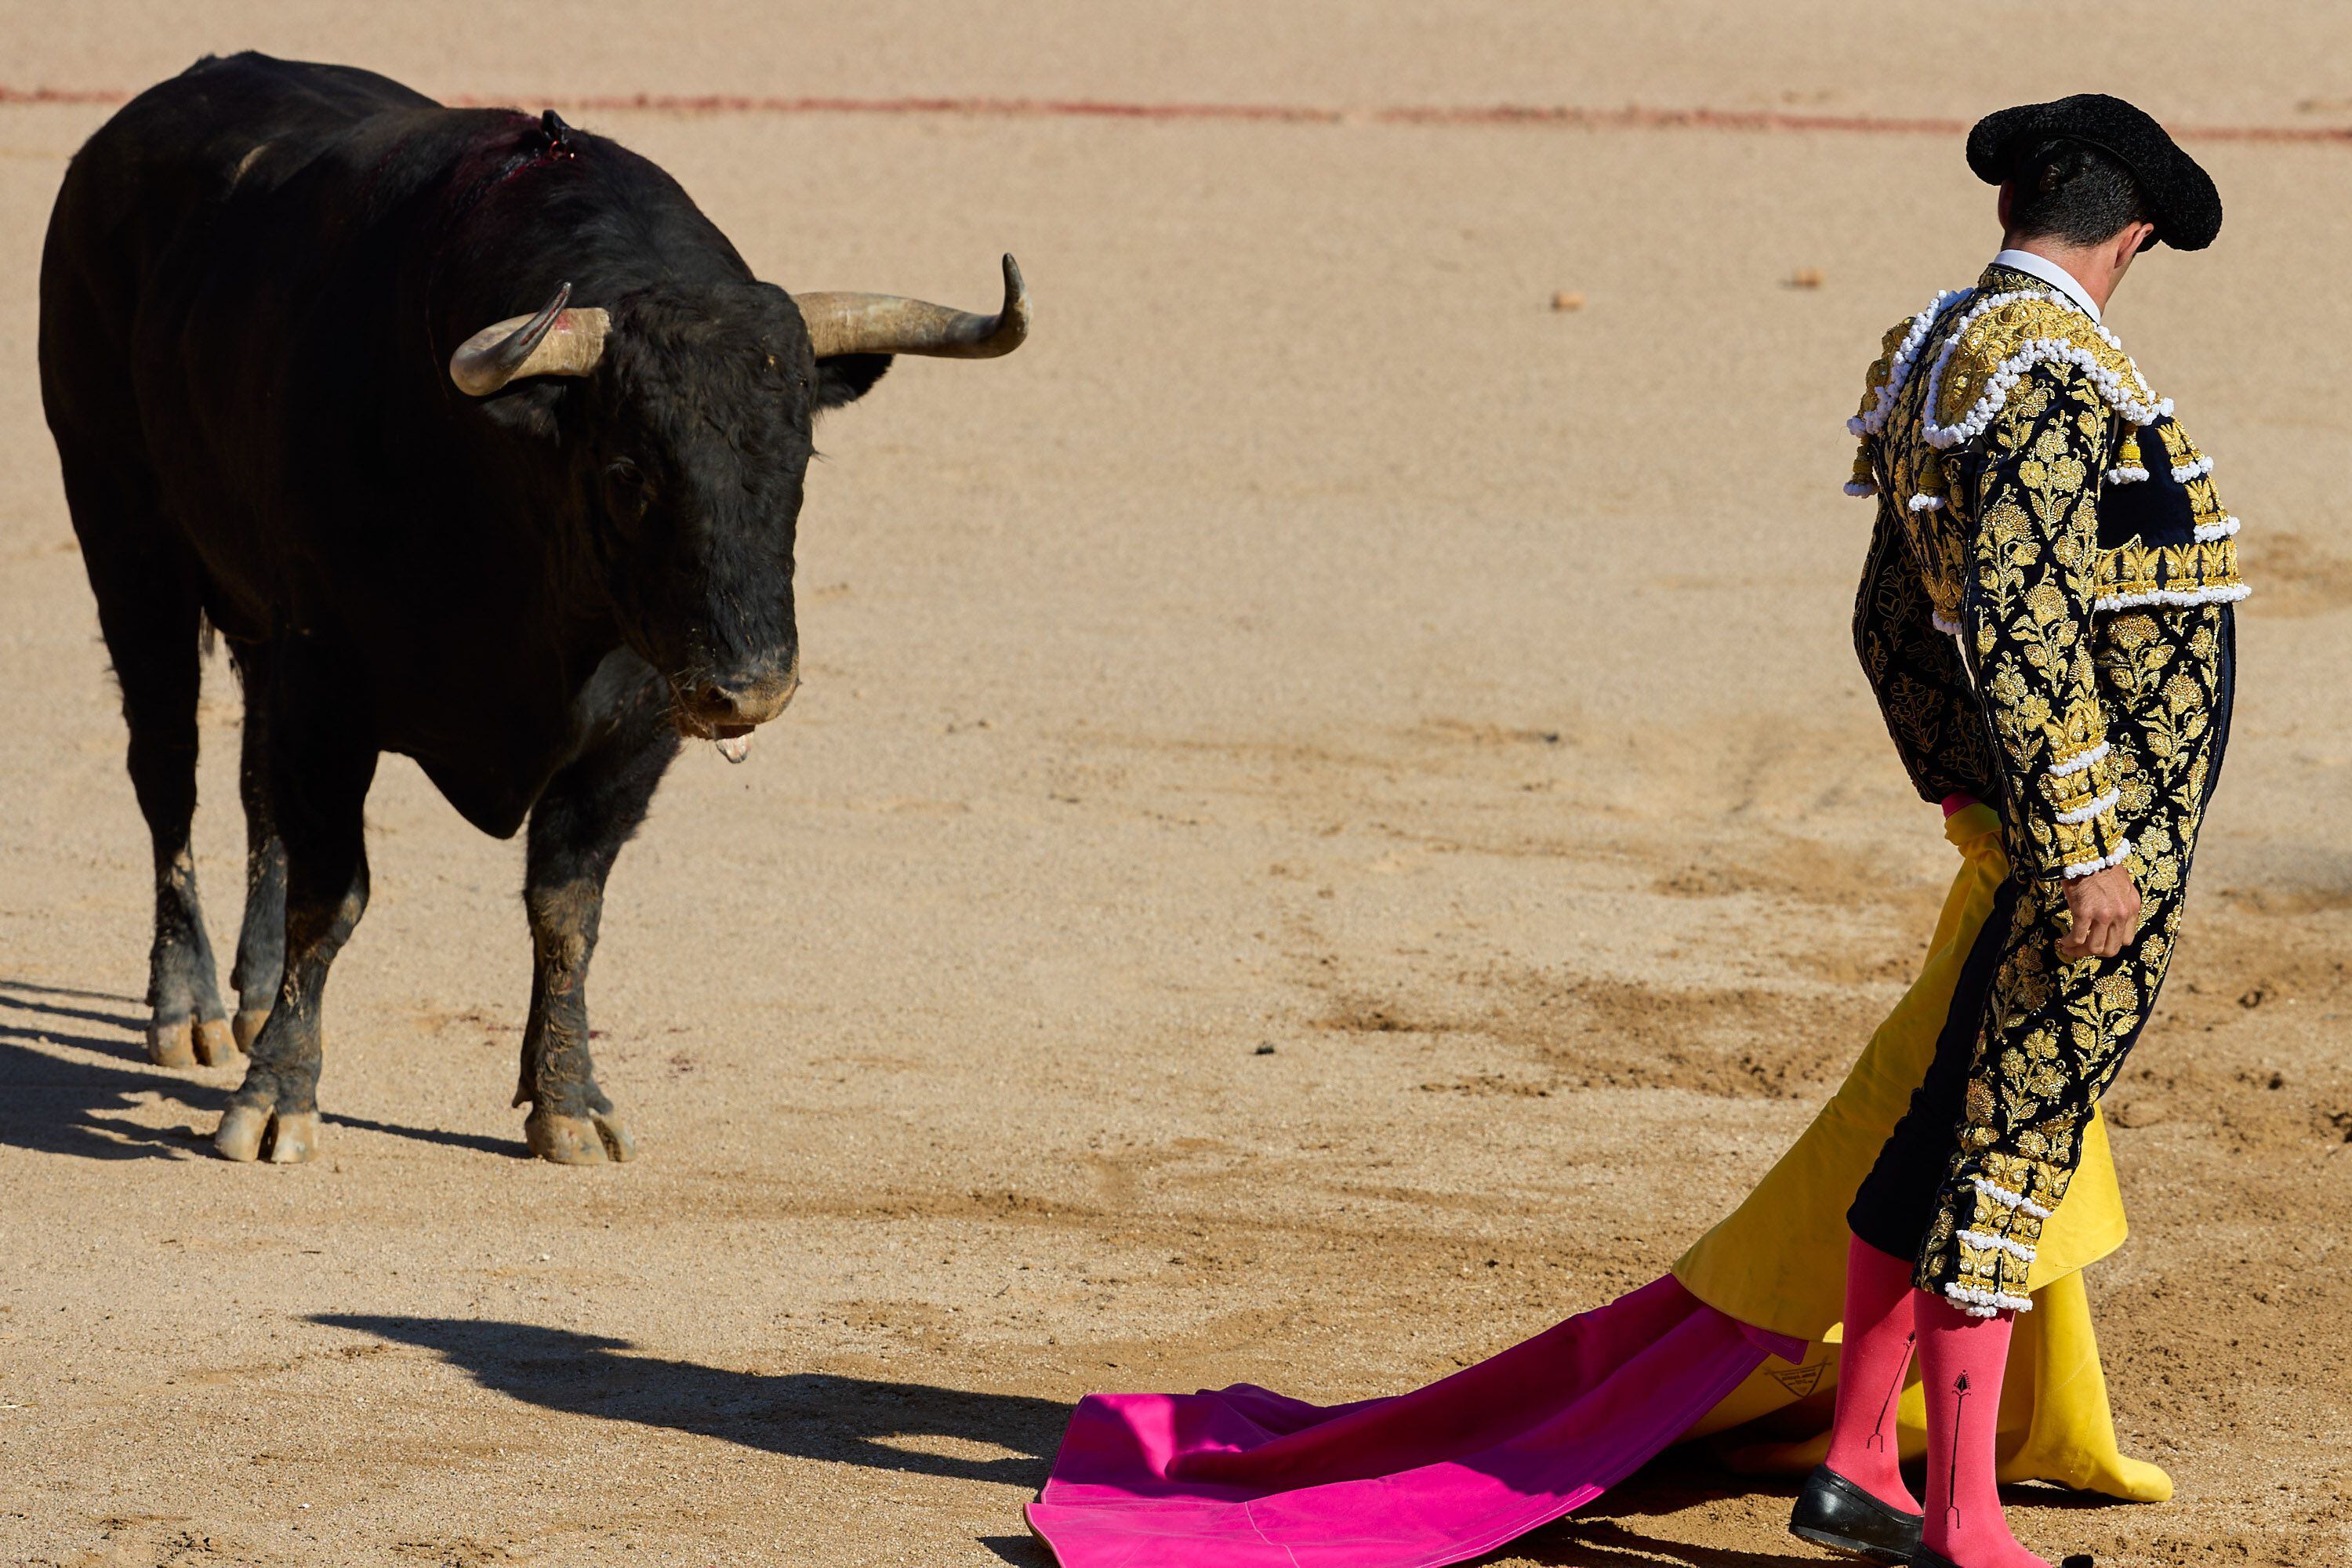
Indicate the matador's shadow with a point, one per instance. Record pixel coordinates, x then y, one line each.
56 1103
807 1414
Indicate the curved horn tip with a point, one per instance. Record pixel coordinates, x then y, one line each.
538 344
1016 313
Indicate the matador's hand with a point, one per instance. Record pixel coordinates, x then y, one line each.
2105 911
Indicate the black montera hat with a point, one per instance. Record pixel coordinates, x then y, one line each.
2181 200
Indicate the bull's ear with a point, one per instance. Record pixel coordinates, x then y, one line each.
526 407
845 378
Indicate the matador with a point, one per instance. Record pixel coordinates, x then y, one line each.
2046 618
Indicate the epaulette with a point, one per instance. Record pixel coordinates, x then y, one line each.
1997 344
1899 354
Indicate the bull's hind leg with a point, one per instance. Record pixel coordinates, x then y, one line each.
261 941
321 760
148 607
588 811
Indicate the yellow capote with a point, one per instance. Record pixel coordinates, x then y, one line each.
1779 1260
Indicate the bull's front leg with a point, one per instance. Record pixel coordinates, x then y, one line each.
588 812
321 761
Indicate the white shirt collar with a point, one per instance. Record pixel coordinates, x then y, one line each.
2049 272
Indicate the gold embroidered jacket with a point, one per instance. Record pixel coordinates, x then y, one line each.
2027 480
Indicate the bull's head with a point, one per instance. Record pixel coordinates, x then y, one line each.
694 440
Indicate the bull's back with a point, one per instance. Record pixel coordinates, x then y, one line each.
147 185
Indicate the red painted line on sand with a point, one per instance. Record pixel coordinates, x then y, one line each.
1632 117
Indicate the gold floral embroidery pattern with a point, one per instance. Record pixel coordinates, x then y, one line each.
1915 670
2056 1033
2034 563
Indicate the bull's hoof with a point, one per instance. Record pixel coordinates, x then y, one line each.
217 1045
247 1026
281 1137
293 1138
588 1140
239 1135
173 1044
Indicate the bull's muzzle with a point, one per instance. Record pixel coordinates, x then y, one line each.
728 707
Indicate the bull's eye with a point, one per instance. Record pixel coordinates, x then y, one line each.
626 493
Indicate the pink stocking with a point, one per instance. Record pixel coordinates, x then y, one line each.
1872 1364
1960 1361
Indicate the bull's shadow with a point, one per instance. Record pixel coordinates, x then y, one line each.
58 1104
807 1414
54 1103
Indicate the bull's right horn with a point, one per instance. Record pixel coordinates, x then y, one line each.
555 341
888 324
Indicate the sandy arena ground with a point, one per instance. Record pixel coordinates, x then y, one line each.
1311 640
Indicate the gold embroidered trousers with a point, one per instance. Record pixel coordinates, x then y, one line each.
1993 1134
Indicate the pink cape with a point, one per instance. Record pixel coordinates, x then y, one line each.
1244 1477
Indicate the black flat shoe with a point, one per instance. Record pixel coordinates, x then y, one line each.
1832 1511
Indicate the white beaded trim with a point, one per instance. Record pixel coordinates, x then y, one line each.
2007 1199
2104 862
2017 1249
2126 475
1944 623
2145 409
2077 763
1899 371
1923 501
1856 488
2206 532
1985 1303
2085 812
2184 472
2218 594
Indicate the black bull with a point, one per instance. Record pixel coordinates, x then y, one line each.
532 557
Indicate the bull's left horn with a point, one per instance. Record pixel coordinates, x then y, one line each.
888 324
555 341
